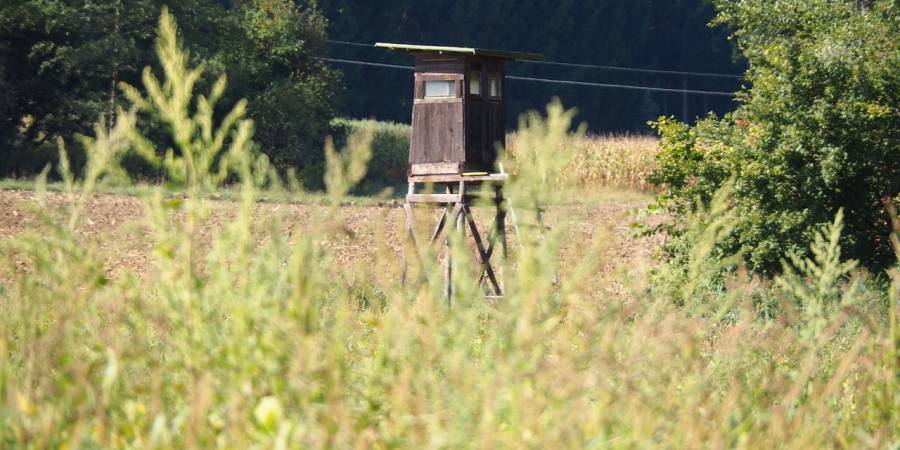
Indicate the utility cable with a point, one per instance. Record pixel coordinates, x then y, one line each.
634 69
592 66
622 86
551 81
354 44
365 63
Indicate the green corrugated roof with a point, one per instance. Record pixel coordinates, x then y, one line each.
459 51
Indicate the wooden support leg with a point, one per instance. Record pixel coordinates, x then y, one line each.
497 234
461 235
500 219
409 243
541 228
413 242
448 273
500 227
404 264
515 225
456 217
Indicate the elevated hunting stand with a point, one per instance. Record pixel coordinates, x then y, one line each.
458 122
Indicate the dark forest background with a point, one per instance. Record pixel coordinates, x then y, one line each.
672 35
61 62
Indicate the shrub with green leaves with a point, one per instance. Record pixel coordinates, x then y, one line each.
390 149
818 130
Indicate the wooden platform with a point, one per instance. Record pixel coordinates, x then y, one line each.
456 199
451 178
454 186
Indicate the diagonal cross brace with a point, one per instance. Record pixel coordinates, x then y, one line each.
438 237
485 257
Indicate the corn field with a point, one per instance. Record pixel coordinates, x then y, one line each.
615 161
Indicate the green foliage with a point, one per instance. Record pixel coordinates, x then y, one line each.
818 130
197 138
292 94
251 340
346 169
62 62
693 162
695 272
815 283
390 150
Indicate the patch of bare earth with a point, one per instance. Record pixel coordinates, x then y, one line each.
597 233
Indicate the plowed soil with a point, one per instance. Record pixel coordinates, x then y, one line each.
598 230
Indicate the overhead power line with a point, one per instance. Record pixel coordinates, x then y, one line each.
634 69
622 86
355 44
592 66
551 81
365 63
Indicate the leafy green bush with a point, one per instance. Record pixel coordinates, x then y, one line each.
390 149
818 130
292 94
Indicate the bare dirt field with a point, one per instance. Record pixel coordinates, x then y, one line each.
597 229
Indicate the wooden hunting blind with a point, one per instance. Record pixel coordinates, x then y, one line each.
459 113
458 119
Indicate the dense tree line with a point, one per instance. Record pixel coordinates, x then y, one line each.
636 33
61 61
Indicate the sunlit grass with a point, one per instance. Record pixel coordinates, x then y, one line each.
243 337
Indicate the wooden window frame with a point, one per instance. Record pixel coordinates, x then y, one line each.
422 78
471 77
490 94
440 89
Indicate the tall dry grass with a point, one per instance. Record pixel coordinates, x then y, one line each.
255 340
612 160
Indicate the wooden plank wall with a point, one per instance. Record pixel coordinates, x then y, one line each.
474 131
438 133
440 64
495 116
485 120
